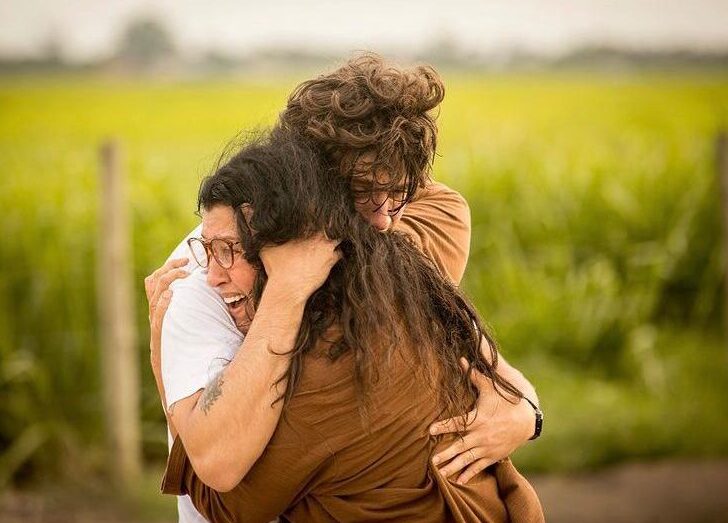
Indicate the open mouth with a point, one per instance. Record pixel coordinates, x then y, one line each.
238 307
235 302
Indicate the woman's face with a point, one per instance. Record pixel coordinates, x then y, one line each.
236 283
382 209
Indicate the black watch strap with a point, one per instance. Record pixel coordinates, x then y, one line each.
539 419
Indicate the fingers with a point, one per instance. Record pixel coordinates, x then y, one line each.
322 237
478 466
465 364
338 255
453 424
166 279
332 244
462 460
311 257
169 265
447 426
457 447
155 323
150 281
163 283
160 310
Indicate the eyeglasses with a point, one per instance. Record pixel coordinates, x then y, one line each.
399 199
220 249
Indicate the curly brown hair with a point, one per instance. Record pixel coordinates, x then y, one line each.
370 116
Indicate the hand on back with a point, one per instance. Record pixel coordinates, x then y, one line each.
490 432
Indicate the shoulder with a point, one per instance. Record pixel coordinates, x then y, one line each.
438 221
182 250
436 202
194 304
198 338
197 320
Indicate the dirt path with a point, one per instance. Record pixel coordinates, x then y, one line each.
666 492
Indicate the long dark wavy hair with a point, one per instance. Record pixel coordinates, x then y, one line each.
384 294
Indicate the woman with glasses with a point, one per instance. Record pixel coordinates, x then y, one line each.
376 358
436 220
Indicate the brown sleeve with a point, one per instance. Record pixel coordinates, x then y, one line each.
518 495
438 220
290 466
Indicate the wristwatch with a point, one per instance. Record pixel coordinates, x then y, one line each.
539 419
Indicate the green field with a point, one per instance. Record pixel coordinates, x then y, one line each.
596 252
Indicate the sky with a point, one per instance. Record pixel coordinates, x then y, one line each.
89 29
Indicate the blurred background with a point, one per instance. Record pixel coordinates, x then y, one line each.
584 134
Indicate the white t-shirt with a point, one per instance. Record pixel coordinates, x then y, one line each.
199 338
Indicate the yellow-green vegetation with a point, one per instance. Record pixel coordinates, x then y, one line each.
595 255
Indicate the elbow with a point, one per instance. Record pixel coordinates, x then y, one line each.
221 482
219 476
217 470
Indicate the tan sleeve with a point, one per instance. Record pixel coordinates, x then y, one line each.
438 221
291 465
518 495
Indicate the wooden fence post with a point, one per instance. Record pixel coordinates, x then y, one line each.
721 147
120 364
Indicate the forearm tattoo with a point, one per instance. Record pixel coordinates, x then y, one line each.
211 393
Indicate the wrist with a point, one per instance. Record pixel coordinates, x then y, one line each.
535 416
277 320
283 292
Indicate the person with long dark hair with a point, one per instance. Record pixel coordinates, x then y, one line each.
371 126
376 360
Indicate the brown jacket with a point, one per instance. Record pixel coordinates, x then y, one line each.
324 463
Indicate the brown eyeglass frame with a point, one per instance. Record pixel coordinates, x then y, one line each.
207 245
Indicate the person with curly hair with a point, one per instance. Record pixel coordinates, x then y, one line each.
374 122
372 128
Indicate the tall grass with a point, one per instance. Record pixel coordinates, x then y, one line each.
596 215
595 220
